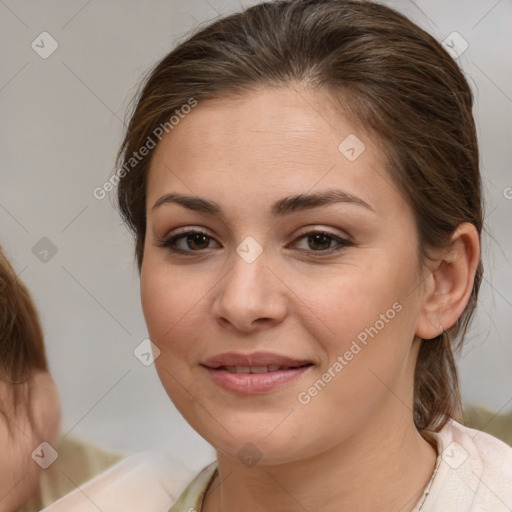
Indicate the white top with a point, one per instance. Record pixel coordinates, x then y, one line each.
148 481
473 474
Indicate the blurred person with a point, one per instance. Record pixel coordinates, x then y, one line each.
31 413
30 404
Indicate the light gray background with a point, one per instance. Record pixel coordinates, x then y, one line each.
61 124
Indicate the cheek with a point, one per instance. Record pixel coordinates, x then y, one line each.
364 321
18 471
160 297
173 303
347 302
175 308
46 409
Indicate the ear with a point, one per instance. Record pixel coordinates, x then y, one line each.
448 286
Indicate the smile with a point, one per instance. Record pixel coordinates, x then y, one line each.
253 380
254 369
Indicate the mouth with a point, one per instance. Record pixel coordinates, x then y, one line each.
254 374
257 362
259 369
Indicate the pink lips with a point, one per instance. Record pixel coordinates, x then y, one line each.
255 359
224 370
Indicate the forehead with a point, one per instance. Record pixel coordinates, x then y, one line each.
287 138
292 119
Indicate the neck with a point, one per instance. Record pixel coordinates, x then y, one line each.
382 469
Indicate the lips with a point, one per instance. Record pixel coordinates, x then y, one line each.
254 374
259 362
253 369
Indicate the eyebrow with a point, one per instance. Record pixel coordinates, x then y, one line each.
280 208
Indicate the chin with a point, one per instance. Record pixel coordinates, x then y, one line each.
258 443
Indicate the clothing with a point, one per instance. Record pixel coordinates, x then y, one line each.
77 462
191 498
474 474
148 481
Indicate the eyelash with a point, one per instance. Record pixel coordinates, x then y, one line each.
168 243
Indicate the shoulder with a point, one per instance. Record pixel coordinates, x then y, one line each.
494 456
149 480
475 471
77 462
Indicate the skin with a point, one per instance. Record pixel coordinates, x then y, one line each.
19 473
358 432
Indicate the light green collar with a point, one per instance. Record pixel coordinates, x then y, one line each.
192 497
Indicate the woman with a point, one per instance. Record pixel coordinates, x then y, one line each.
302 180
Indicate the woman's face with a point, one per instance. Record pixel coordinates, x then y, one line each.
331 287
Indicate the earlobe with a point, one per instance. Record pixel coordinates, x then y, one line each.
450 283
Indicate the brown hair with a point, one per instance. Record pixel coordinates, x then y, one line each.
390 77
21 337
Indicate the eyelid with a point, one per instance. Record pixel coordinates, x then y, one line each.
187 229
342 241
303 231
319 229
166 240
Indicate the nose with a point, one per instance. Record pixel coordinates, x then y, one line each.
251 296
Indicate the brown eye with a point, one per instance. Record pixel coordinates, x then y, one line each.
320 241
188 242
197 241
